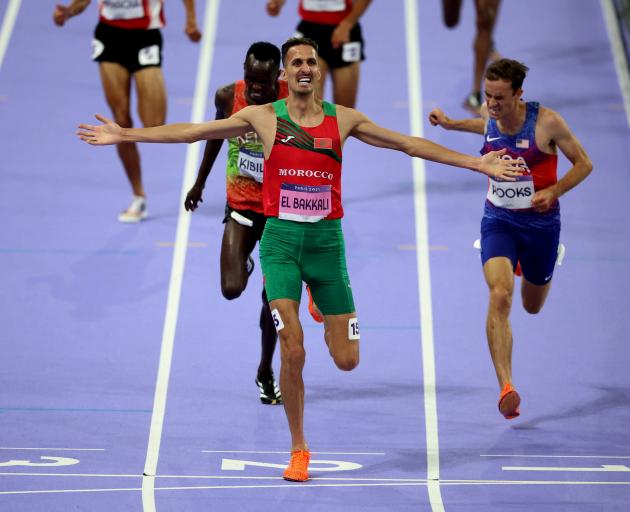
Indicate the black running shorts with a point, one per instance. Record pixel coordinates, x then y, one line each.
133 49
347 54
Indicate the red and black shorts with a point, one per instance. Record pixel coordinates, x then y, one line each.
346 54
133 49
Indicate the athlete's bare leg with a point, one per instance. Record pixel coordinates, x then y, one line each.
151 95
499 276
293 356
344 351
238 243
346 84
450 12
116 85
534 296
487 12
268 339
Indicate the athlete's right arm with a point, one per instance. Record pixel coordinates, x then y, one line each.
63 13
472 125
211 151
109 132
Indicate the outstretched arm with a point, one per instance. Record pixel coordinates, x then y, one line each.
109 132
554 126
63 13
491 164
473 124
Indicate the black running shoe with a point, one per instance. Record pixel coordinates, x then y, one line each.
249 265
269 391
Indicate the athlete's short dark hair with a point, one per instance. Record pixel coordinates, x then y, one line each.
264 51
509 70
297 41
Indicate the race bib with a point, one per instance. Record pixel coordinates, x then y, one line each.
122 10
324 5
250 164
513 195
351 52
304 203
149 56
97 48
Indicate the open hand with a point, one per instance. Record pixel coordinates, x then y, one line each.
100 135
500 167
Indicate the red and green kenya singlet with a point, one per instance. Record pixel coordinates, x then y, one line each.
303 172
244 170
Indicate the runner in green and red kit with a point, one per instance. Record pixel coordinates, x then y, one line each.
244 220
302 139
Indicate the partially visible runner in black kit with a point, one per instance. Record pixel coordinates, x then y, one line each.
127 45
334 26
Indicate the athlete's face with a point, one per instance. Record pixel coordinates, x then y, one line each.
261 80
501 100
301 69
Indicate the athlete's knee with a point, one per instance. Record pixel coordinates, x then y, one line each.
347 361
533 307
293 354
122 117
232 288
500 299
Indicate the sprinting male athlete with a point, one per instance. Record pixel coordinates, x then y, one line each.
520 228
244 217
303 139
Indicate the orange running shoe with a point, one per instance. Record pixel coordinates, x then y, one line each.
312 308
297 470
509 402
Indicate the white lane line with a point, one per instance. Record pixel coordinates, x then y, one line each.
557 456
287 452
422 256
619 54
179 259
56 449
10 15
313 484
606 468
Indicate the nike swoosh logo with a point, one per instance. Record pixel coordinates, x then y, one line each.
492 139
287 139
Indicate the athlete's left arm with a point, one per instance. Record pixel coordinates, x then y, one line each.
341 34
356 124
191 28
555 129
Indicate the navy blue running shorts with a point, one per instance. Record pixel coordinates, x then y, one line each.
536 249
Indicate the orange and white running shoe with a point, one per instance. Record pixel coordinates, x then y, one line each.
313 309
509 402
297 470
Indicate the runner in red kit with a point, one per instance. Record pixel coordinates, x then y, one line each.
334 26
303 240
127 45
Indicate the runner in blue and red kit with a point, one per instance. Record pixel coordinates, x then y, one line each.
521 222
